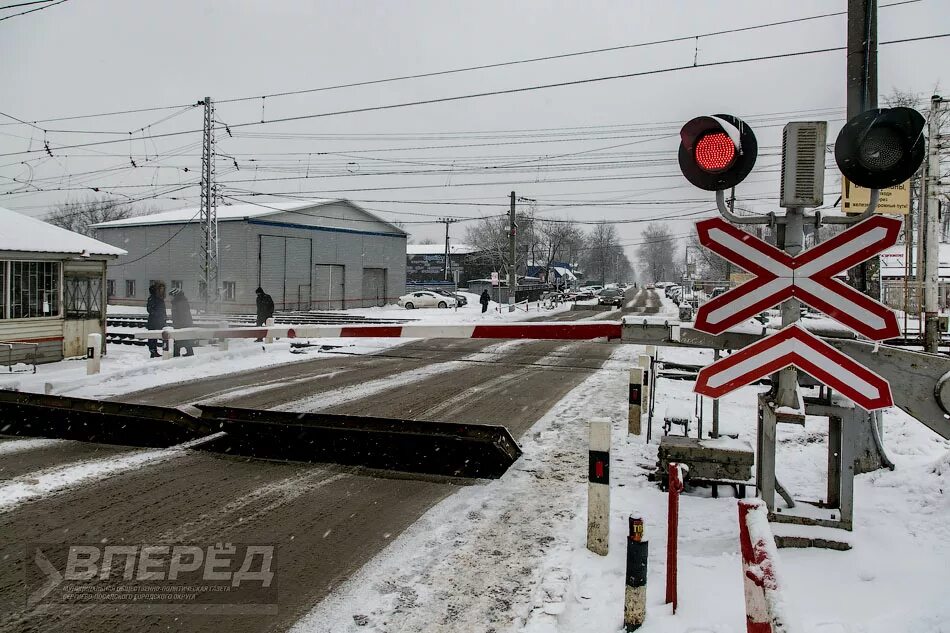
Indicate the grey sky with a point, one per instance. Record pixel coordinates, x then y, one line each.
90 56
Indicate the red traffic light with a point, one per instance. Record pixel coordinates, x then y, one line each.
717 152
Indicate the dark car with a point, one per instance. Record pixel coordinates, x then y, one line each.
445 293
611 297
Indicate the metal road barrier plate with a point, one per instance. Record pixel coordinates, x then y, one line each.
434 448
415 446
37 415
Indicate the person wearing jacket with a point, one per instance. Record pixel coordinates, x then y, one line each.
265 308
484 299
181 318
157 317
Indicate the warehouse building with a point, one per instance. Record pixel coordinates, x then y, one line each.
315 255
51 290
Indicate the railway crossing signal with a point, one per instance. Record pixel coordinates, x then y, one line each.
881 148
808 277
795 346
717 152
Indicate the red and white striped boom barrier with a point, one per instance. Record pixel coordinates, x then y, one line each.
764 604
554 330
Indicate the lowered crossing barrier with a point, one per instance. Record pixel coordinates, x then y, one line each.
416 446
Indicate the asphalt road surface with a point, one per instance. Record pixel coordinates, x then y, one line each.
326 520
643 301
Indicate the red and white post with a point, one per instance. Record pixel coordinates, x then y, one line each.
764 606
598 492
675 474
635 411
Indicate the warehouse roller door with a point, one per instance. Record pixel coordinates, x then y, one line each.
374 287
328 287
285 271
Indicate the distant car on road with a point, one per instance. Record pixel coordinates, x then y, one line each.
426 299
650 286
611 297
462 301
718 290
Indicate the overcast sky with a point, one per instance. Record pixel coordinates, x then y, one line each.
589 146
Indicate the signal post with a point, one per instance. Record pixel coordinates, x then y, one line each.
876 149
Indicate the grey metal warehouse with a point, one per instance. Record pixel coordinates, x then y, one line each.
314 255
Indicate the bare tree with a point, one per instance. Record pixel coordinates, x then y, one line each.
602 252
657 253
80 216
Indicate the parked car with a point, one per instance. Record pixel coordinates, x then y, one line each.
462 301
718 290
611 297
426 299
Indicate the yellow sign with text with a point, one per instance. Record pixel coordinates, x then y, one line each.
894 200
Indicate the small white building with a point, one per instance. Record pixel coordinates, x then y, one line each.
52 289
894 267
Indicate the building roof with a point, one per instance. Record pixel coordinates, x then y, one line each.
439 249
225 212
25 234
238 212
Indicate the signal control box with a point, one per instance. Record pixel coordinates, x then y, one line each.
803 164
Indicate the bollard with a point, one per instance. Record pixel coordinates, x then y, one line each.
646 364
269 323
168 343
675 486
223 341
764 604
635 418
635 594
598 488
93 354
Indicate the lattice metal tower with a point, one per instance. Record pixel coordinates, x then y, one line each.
209 211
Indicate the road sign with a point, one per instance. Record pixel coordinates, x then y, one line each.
808 277
494 279
795 346
893 200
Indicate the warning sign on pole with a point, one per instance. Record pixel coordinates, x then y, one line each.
894 200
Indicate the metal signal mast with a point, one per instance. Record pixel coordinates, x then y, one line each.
209 211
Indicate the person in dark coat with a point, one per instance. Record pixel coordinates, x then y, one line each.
181 318
265 308
157 317
484 299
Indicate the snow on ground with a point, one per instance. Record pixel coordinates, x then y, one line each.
508 556
59 478
127 368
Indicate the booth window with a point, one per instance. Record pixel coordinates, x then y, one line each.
34 289
230 291
83 297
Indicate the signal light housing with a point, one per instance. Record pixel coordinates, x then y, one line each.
717 152
881 148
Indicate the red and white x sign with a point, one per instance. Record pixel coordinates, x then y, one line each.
808 276
795 346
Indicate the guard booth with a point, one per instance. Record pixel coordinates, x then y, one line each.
53 290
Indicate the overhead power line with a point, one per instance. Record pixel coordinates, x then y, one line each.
509 91
48 6
488 66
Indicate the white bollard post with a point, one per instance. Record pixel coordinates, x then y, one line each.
93 354
223 342
635 419
269 323
168 343
598 489
646 393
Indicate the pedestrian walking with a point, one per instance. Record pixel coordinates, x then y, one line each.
157 317
265 308
181 318
484 299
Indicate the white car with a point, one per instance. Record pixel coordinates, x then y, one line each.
425 299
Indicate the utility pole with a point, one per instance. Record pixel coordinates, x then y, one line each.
209 211
931 236
512 244
447 222
862 94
